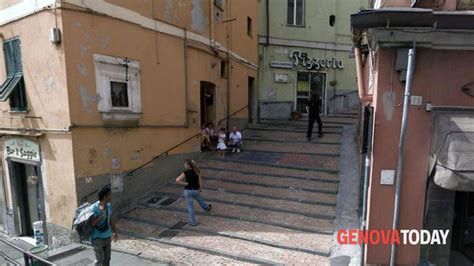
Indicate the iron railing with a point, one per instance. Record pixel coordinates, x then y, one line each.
131 172
27 256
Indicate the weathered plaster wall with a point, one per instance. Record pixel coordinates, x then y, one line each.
316 20
317 38
439 76
46 91
162 91
7 3
44 75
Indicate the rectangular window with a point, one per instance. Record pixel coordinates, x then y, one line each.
249 26
13 87
295 13
119 94
223 69
118 84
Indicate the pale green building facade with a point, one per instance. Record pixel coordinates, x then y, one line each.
304 47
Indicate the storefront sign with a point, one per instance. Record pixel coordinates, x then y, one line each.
22 149
299 57
281 64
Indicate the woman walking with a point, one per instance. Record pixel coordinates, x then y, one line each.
192 182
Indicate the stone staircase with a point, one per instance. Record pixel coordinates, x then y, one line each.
273 203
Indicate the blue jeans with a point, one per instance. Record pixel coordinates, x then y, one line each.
189 195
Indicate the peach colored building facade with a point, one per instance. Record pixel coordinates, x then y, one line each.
126 81
441 87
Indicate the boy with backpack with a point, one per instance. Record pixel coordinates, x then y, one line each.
103 227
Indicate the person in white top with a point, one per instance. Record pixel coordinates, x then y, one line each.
221 145
235 140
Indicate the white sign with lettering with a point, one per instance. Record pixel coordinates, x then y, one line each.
22 149
299 57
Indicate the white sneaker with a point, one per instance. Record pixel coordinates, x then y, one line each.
233 150
238 150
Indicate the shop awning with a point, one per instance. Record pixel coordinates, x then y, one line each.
11 83
452 152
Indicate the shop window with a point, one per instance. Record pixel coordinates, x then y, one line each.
118 88
13 87
249 26
295 12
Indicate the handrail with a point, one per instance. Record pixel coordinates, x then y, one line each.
27 255
344 94
232 114
130 173
163 153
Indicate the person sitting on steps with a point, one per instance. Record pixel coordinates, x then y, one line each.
235 140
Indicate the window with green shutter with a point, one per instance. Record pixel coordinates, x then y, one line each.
14 86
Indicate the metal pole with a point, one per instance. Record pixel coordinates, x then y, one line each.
368 152
406 102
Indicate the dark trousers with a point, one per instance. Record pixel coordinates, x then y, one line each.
311 121
102 249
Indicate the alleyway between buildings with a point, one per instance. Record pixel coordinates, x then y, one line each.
273 203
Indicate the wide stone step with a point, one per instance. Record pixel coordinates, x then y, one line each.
287 163
327 131
333 120
293 136
290 145
220 196
145 239
260 233
268 170
296 123
241 250
262 214
307 161
275 192
301 125
265 180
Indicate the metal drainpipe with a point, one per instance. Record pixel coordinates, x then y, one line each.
186 79
227 126
267 12
366 183
406 102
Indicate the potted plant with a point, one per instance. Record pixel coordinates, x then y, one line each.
295 115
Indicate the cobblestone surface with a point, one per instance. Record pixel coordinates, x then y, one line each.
166 252
259 211
287 219
241 228
268 170
298 128
275 135
265 145
276 192
291 160
269 180
280 204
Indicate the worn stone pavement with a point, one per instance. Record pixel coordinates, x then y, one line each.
273 203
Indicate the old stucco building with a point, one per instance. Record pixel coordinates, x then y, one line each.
304 48
94 89
416 81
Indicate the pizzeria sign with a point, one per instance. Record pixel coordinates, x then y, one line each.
22 149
